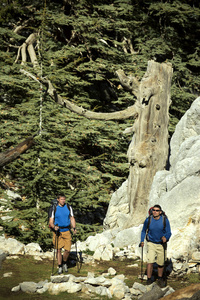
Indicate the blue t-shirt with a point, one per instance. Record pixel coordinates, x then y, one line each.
62 217
156 230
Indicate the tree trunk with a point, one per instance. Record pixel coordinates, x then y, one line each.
148 151
10 155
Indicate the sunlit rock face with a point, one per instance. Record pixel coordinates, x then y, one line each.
178 190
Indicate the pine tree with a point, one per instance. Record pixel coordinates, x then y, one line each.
79 46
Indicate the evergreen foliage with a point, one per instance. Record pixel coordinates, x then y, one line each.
80 46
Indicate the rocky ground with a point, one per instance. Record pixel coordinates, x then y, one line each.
22 275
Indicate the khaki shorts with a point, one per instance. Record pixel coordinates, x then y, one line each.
64 240
155 253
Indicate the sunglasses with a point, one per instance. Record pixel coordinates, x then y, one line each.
156 209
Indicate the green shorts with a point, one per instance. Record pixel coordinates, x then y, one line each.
64 240
155 253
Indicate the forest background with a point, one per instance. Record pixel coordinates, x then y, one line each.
80 45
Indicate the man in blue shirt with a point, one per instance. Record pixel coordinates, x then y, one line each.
158 233
61 221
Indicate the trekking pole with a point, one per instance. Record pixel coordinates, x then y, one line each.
54 254
77 258
141 263
164 271
55 250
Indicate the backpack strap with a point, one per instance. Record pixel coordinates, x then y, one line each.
164 220
149 222
54 210
68 206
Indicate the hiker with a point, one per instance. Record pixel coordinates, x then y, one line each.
158 232
61 221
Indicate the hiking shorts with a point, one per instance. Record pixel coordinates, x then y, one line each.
155 253
64 240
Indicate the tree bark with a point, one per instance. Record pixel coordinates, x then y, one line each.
131 111
10 155
118 115
148 151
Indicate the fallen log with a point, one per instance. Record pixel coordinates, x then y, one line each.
10 155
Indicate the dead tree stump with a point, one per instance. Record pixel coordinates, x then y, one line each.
148 151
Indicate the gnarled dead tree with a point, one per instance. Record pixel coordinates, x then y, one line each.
148 151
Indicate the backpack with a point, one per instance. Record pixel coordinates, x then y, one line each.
151 216
53 207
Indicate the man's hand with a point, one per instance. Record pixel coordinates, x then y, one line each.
74 231
56 228
141 244
164 239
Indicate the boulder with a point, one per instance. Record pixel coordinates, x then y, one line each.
128 237
154 294
28 287
103 291
11 245
112 271
118 288
196 256
69 287
44 288
33 249
104 252
118 210
100 280
185 293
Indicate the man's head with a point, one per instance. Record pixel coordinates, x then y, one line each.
157 211
60 195
61 199
157 206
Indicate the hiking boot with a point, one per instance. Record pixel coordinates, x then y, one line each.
65 268
161 283
149 282
60 270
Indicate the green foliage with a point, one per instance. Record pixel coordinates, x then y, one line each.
81 45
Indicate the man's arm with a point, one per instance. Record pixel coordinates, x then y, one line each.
73 224
51 224
168 233
143 233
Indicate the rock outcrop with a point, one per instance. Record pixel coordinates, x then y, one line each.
176 190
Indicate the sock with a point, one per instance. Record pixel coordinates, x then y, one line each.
159 277
64 262
60 266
